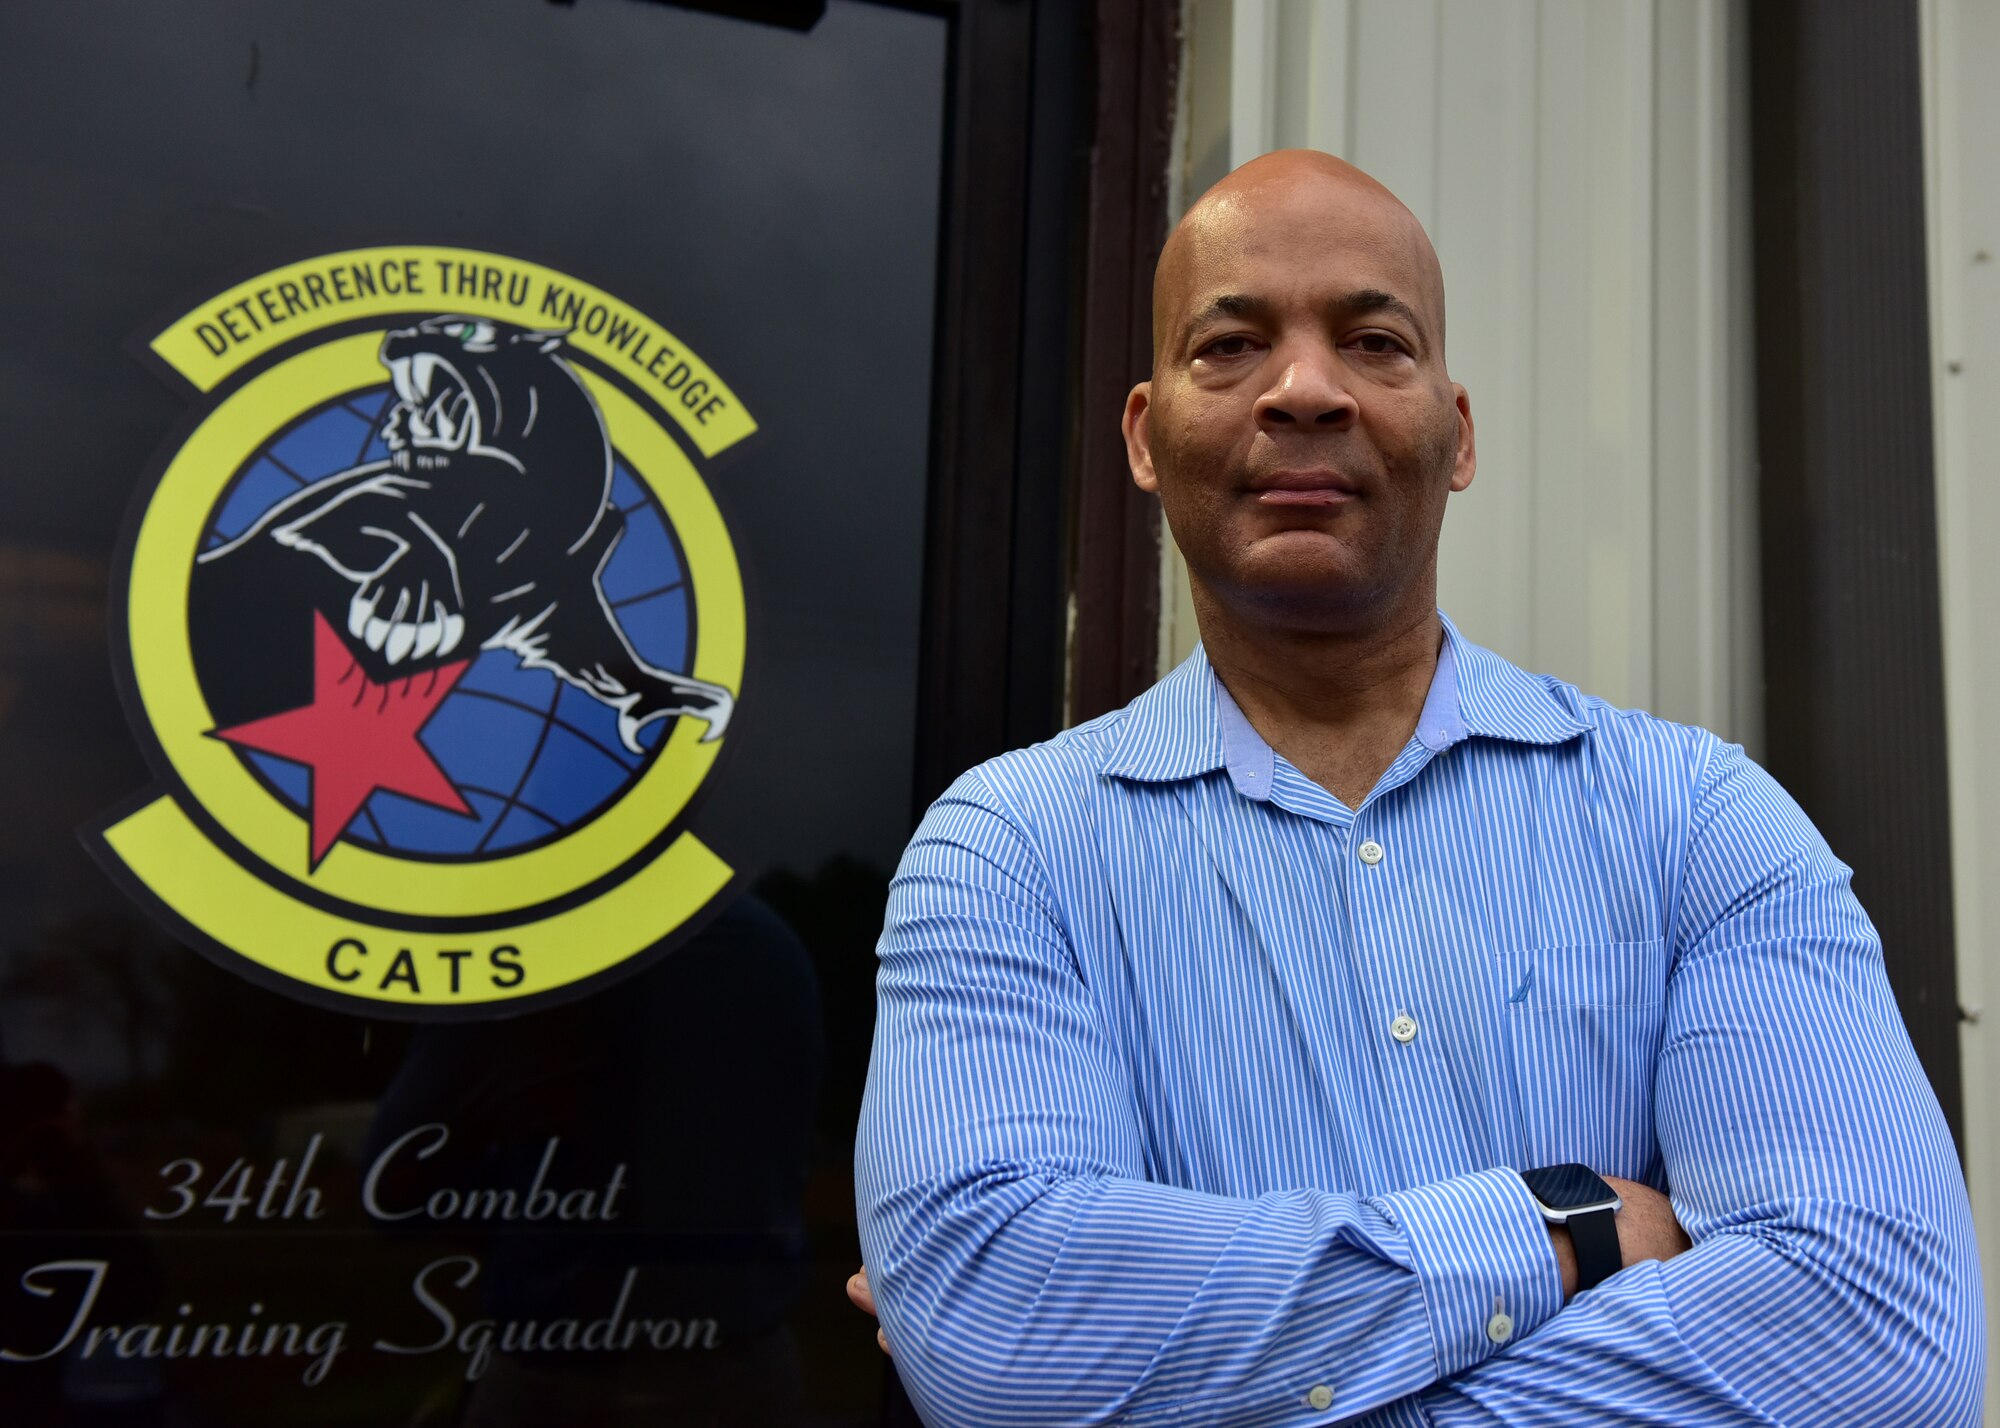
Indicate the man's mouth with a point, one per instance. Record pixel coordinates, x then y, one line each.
1305 488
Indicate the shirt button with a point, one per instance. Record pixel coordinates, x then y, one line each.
1404 1027
1500 1328
1319 1396
1371 852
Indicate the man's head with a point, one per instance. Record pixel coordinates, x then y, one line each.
1300 427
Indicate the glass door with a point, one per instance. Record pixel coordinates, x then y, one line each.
462 584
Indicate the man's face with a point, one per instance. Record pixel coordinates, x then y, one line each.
1300 428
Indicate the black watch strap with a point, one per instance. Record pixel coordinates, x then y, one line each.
1594 1235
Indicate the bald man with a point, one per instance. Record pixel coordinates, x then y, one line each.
1357 1027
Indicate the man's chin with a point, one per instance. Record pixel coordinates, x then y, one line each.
1313 588
1303 561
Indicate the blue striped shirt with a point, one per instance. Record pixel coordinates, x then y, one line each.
1199 1098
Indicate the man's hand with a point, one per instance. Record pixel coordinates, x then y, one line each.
857 1290
1647 1229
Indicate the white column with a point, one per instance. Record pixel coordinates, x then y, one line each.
1961 132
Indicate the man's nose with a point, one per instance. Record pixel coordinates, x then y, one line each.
1310 394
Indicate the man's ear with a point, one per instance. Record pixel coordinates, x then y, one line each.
1467 460
1138 442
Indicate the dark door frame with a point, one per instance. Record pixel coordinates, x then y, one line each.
1853 625
993 574
1042 562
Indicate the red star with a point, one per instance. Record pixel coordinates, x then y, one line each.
357 736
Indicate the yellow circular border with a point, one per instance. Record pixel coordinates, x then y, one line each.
163 565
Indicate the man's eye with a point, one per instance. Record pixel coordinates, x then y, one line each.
1378 344
1227 347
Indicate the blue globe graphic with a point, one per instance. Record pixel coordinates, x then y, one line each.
534 756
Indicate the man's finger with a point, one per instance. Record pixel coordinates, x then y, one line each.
858 1291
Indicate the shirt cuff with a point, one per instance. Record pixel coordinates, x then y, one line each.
1483 1260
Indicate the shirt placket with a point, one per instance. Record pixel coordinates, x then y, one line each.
1404 1022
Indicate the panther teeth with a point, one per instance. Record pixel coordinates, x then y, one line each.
423 367
402 640
360 610
406 387
429 634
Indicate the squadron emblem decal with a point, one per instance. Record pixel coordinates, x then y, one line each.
433 630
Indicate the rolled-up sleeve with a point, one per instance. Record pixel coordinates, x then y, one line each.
1026 1269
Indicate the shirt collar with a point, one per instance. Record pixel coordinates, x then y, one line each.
1188 725
1503 701
1171 732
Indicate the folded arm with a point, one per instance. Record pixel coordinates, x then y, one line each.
1027 1271
1833 1278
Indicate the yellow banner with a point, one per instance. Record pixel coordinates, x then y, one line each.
166 850
251 319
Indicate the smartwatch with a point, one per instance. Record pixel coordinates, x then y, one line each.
1576 1197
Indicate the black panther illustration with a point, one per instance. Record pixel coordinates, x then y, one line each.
487 527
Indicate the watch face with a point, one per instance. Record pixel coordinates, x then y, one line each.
1568 1187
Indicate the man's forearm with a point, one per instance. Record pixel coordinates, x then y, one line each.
1115 1299
1758 1325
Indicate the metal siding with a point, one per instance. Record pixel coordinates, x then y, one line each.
1574 162
1963 131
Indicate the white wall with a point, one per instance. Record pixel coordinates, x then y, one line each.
1581 167
1962 133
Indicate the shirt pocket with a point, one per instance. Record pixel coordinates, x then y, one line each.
1583 1026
